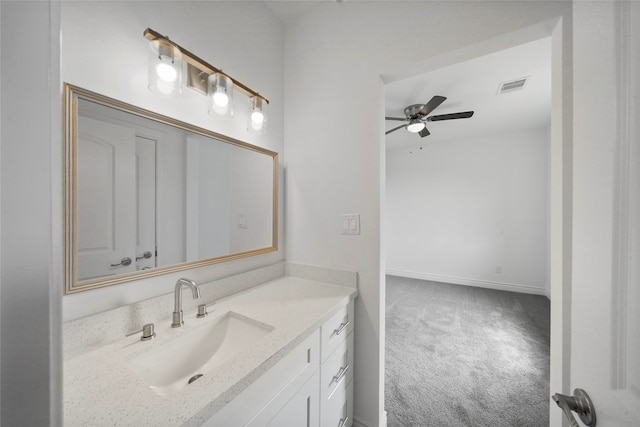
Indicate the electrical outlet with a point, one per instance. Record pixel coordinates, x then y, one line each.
498 269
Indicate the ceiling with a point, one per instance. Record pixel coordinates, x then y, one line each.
469 85
473 85
288 11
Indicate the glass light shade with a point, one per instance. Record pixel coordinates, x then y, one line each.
165 68
257 120
415 126
220 90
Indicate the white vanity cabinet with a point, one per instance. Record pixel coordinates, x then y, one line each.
297 375
336 371
311 386
289 391
302 409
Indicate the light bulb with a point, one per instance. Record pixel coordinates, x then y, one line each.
166 72
165 68
221 99
257 118
220 90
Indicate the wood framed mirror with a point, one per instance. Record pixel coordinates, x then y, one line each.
147 195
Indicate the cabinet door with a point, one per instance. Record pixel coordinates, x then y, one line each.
303 408
256 405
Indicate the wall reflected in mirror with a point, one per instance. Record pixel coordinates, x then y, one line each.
148 195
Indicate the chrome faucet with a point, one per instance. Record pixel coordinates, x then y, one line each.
177 309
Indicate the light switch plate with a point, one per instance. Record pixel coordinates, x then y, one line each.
351 224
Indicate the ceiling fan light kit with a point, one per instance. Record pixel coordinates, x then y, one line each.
417 115
415 126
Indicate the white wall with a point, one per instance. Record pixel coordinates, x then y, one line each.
103 50
171 153
248 171
334 146
30 277
208 206
334 110
458 210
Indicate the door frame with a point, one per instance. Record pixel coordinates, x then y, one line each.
560 180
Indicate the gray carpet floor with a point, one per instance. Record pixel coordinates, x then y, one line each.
464 356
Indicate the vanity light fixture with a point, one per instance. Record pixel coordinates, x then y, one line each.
165 68
257 121
220 91
202 77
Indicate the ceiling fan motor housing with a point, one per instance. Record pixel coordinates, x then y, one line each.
412 110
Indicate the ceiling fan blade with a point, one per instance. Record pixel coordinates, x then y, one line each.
395 129
424 132
462 115
431 105
402 119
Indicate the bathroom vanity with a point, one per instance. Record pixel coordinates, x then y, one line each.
276 347
287 360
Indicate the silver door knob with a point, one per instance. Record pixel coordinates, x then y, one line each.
124 262
145 255
580 403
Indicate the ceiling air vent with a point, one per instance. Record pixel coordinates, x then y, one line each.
512 85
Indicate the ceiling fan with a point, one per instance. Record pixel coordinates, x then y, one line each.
418 114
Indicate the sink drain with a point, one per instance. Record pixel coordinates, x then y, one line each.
195 377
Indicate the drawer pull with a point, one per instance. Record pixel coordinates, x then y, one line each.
341 328
341 373
343 421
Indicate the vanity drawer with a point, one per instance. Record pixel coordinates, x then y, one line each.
336 329
338 368
338 409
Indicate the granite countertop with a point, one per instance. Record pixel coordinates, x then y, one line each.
100 389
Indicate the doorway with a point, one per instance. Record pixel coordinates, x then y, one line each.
551 243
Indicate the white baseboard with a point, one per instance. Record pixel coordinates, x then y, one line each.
383 422
501 286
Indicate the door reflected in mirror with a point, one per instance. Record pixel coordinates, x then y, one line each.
148 195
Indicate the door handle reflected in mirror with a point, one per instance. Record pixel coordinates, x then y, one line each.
145 255
580 403
124 262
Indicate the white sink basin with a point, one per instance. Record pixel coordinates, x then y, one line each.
169 367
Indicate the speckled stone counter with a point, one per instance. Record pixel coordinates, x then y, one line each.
101 390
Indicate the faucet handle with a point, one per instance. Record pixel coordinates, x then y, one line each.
147 330
202 310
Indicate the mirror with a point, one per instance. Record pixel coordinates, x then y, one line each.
147 195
